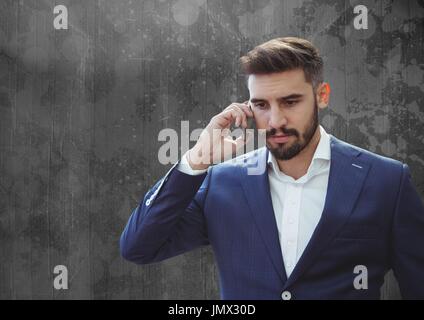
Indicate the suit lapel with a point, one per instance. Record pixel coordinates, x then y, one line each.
257 191
347 175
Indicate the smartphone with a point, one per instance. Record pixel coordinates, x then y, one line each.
250 121
250 124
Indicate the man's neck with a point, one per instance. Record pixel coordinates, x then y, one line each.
298 166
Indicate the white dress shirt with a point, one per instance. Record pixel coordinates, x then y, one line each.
297 204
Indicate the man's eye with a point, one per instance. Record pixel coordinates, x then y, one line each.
291 103
260 105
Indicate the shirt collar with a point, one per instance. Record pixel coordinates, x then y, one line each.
323 152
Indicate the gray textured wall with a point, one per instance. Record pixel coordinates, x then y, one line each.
80 112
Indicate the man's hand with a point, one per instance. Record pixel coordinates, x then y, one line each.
214 144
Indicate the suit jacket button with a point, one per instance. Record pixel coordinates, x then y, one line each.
286 295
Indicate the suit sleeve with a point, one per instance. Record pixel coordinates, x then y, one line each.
408 239
169 221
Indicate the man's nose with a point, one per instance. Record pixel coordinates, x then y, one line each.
277 119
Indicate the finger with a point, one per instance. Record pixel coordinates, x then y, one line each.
245 112
237 114
242 106
243 115
245 108
229 116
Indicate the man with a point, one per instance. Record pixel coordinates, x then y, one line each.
322 214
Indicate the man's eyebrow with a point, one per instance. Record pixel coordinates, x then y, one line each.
291 96
285 98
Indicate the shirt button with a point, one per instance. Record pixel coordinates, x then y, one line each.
289 242
286 295
288 264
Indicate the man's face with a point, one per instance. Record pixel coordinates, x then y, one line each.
286 106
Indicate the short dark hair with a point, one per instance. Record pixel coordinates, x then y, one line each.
283 54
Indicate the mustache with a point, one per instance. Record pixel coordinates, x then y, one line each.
273 131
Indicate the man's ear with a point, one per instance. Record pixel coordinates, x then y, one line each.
323 95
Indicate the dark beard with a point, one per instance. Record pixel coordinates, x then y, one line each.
286 154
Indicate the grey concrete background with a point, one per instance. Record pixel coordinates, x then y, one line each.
80 112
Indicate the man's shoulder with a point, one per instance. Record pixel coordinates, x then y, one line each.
366 155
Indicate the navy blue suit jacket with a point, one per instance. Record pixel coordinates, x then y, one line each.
372 217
